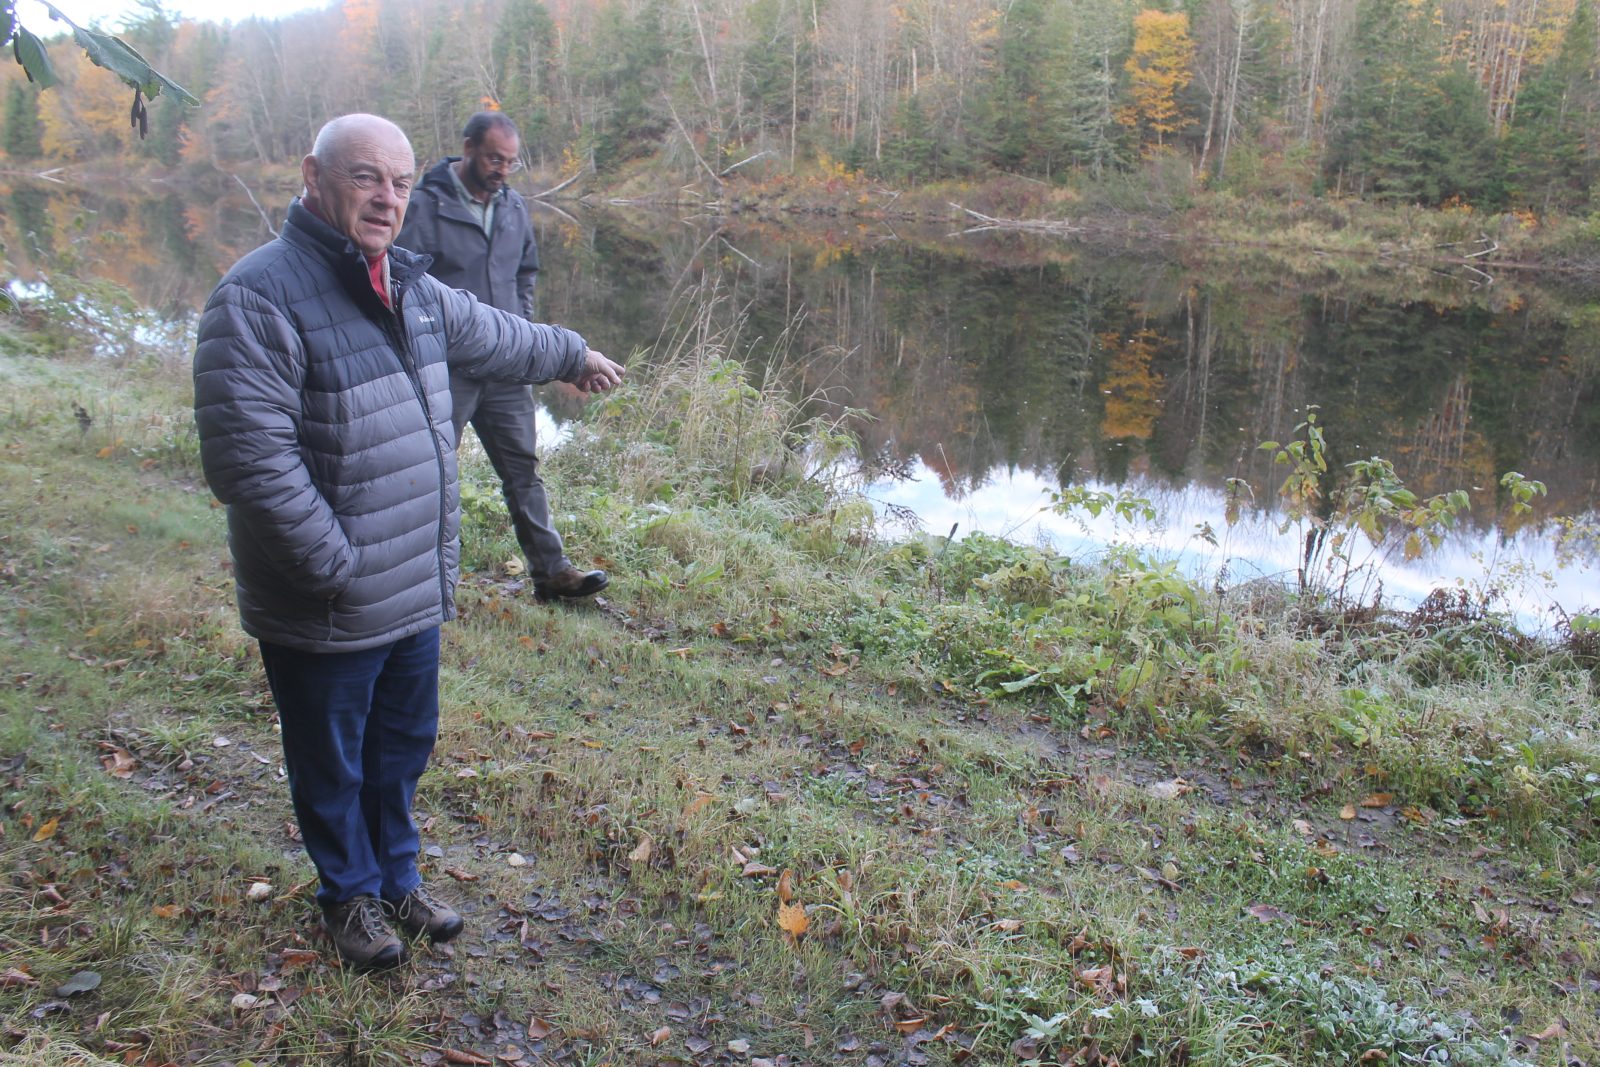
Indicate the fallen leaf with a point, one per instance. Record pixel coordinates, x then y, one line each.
792 918
1191 953
641 851
244 1002
660 1037
46 829
516 859
1168 790
1377 800
1347 812
739 1046
755 869
698 803
459 875
470 1059
258 892
910 1026
16 977
538 1029
1008 926
82 982
1303 827
119 762
1554 1030
164 911
1267 913
786 886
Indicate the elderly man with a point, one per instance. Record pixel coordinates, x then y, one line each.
323 406
476 230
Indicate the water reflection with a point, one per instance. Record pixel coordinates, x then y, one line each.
1522 568
997 366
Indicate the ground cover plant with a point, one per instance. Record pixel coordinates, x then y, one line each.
791 793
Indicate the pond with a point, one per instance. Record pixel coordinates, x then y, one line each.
996 369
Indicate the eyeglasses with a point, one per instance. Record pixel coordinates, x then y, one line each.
510 166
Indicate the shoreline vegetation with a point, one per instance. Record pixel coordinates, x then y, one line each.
1163 204
797 791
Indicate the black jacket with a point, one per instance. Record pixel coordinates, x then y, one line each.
499 267
324 423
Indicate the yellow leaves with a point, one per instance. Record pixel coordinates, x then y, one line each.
792 918
165 911
1377 800
1158 71
47 829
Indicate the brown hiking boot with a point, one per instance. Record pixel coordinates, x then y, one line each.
569 583
423 913
361 935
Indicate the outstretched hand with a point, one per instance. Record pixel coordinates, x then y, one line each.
599 373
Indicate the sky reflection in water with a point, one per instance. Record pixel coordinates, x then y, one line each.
1016 505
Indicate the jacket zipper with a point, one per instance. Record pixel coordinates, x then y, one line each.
402 341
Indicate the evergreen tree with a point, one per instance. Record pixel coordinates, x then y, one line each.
1411 128
19 136
1080 110
1548 154
523 41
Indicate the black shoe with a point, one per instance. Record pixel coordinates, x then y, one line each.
569 583
423 913
362 936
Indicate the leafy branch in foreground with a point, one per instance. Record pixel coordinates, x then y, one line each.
103 50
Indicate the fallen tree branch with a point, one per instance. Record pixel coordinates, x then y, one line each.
556 189
265 221
747 159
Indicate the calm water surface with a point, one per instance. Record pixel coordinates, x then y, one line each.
996 368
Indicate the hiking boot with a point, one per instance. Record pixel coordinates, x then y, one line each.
423 913
569 583
362 936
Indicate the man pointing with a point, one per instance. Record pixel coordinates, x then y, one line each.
323 408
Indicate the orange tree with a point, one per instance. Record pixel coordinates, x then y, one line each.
1159 69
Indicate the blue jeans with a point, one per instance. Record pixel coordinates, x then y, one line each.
358 728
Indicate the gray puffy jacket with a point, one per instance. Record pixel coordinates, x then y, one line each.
324 422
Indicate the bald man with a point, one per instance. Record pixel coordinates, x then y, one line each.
323 407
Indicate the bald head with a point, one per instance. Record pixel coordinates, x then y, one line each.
339 135
358 179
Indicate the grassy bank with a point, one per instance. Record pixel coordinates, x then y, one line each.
791 793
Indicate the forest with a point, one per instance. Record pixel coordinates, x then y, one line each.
1483 103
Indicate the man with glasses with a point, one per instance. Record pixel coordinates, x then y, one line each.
321 397
476 228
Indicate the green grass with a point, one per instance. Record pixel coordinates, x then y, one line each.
1197 835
